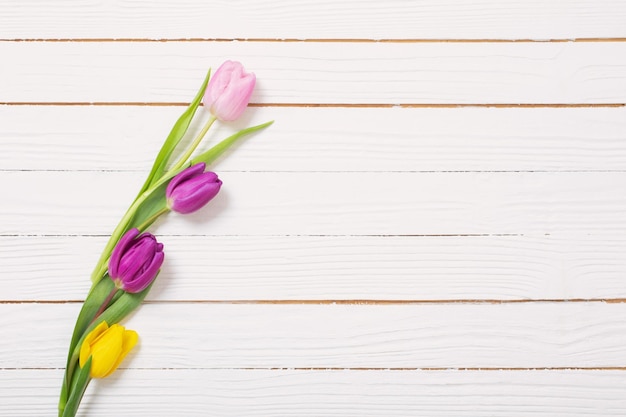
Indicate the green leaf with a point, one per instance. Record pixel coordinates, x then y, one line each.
156 173
94 300
153 205
122 307
216 151
78 390
173 139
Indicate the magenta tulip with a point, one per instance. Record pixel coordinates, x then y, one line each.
191 189
229 91
135 261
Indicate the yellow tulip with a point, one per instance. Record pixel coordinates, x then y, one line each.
107 347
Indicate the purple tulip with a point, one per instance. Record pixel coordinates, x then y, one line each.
229 91
135 261
191 189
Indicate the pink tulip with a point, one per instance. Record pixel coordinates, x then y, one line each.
229 91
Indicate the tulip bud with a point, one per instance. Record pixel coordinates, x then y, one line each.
135 261
229 91
107 346
191 189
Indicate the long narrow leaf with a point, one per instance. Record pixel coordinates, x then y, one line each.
216 151
92 303
78 390
173 139
122 307
153 205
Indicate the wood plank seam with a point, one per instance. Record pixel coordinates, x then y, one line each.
359 369
349 301
319 40
323 105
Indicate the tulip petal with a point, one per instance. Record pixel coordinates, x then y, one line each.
229 91
183 176
219 82
195 193
135 259
232 103
105 351
129 340
119 250
141 281
85 348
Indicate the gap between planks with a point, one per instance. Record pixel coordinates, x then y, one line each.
426 171
266 235
324 105
317 40
349 301
395 369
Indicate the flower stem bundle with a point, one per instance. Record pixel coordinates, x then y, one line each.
132 257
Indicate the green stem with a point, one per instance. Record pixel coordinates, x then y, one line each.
101 268
105 304
98 272
194 144
116 235
176 134
216 151
143 226
93 301
121 227
78 388
207 157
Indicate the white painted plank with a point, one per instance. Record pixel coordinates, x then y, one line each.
333 139
334 268
203 392
430 19
175 335
267 203
290 72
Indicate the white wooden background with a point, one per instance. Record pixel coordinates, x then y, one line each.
434 226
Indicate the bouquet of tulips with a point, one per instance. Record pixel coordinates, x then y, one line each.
132 258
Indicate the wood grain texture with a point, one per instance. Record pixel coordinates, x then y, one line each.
228 268
356 193
127 138
390 73
328 393
449 19
197 335
267 203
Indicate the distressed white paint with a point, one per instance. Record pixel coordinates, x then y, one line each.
439 335
300 393
429 19
316 203
127 138
392 73
224 268
305 201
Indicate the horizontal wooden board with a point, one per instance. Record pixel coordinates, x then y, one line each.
231 268
197 335
428 19
363 73
401 196
258 203
127 138
202 392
